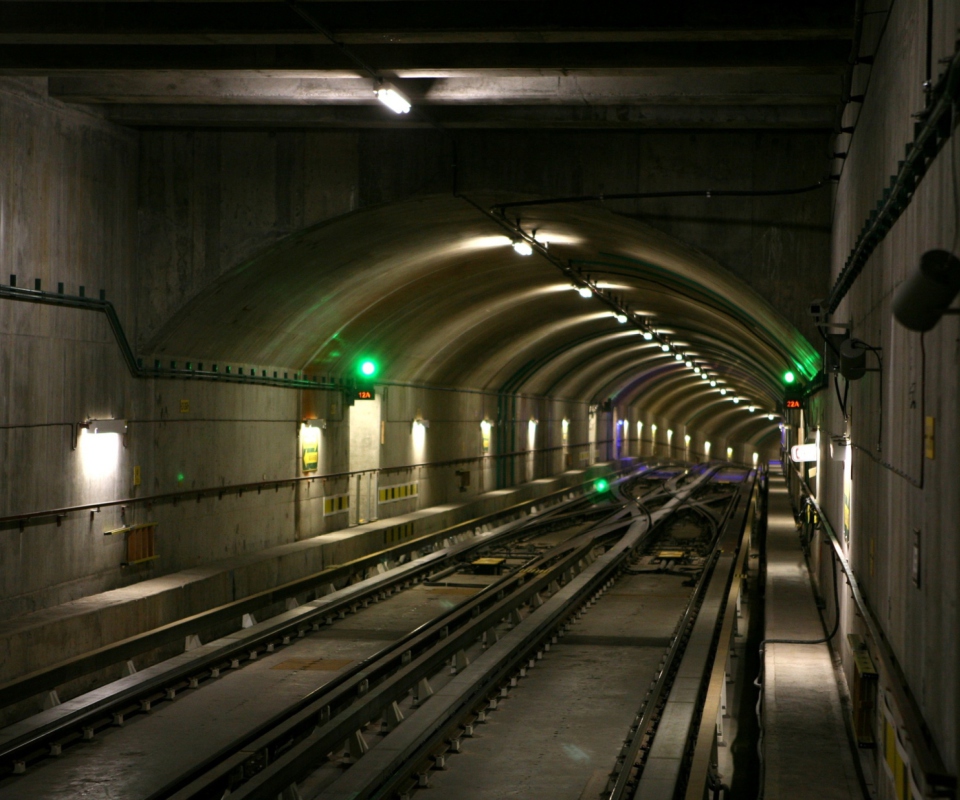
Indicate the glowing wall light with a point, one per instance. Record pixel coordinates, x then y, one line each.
756 458
804 452
419 434
669 438
729 454
706 448
485 428
310 444
531 434
99 447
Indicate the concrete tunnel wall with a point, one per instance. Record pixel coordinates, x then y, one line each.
152 218
890 511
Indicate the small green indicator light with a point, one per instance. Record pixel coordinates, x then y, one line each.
179 477
789 377
368 368
601 485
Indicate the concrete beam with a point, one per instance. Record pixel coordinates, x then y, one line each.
52 31
677 86
603 117
50 58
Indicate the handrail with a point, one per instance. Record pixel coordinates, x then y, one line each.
934 774
259 486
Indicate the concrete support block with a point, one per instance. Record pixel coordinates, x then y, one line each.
192 642
129 669
248 621
290 793
291 603
50 700
392 717
423 691
355 746
460 662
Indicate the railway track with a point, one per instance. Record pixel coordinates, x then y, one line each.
687 538
84 720
321 700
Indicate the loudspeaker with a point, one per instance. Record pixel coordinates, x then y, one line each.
922 299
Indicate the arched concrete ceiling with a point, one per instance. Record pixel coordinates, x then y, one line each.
433 290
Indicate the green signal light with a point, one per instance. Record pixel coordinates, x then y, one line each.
789 377
368 368
601 485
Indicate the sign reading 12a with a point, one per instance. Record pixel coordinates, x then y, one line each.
365 394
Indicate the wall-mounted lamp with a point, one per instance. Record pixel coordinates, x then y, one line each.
585 292
315 423
423 423
839 448
105 426
522 247
804 452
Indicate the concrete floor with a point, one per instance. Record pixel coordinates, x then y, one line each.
135 760
558 734
807 752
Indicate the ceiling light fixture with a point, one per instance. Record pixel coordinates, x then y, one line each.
690 364
621 318
665 347
723 391
522 247
647 336
388 94
585 291
713 383
678 357
736 400
696 370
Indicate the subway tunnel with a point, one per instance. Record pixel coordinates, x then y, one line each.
478 400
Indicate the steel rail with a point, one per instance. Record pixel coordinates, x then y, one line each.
383 768
330 715
702 760
652 707
103 703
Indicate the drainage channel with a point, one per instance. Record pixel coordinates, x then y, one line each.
406 735
287 659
